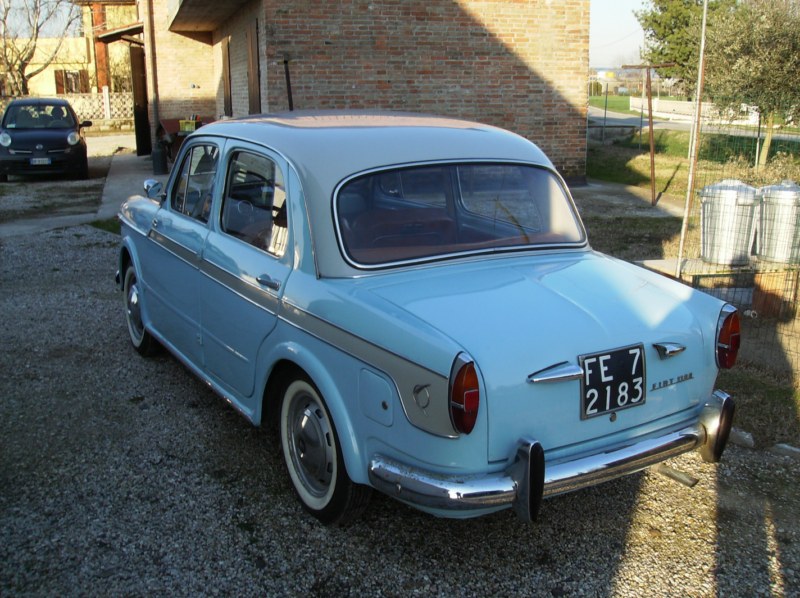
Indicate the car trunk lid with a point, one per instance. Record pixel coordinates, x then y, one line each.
518 317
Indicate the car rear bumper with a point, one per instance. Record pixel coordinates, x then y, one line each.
528 480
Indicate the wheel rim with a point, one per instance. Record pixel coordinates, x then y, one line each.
309 445
132 308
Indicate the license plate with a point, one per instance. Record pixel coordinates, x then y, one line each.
40 161
612 380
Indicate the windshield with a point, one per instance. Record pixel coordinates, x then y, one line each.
39 116
431 211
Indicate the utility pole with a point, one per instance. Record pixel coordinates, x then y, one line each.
647 67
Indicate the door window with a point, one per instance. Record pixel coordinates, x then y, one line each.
254 208
195 184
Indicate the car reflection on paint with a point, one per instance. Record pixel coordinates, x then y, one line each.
411 302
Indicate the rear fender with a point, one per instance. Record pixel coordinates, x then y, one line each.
332 393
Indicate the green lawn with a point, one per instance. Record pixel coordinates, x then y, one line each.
615 103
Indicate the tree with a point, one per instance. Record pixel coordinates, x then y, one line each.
672 34
754 58
23 25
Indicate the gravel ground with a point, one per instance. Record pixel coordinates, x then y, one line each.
34 197
126 476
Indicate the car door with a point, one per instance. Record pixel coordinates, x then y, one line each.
246 264
179 231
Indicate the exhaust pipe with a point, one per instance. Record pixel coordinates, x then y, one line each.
678 476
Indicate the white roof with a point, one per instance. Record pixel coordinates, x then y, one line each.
327 147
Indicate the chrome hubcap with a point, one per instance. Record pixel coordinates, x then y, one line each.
312 446
134 311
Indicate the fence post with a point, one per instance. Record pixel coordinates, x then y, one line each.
106 102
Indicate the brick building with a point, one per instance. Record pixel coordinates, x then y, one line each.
518 64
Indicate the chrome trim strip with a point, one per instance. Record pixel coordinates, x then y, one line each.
667 349
432 416
541 247
174 247
473 492
253 293
560 372
726 311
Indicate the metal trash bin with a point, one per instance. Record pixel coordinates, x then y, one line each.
779 223
727 219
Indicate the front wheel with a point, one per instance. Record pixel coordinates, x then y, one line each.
141 340
314 458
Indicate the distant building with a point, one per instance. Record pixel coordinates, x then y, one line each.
83 64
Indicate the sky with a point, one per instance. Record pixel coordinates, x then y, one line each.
614 35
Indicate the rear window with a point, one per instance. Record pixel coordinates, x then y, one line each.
436 211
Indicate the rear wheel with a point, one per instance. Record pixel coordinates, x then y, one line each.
141 340
314 458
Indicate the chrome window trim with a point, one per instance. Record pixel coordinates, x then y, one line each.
584 243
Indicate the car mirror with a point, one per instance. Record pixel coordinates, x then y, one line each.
86 123
153 188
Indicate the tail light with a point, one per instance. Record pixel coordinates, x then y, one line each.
465 395
728 337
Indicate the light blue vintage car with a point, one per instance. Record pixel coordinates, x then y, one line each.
412 303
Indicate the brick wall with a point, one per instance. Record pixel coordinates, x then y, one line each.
234 30
518 64
186 78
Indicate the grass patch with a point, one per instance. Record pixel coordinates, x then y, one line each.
110 225
633 238
721 157
615 103
718 148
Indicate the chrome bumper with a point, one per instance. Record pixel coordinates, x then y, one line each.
528 480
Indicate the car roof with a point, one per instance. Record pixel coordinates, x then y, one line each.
340 143
327 147
39 102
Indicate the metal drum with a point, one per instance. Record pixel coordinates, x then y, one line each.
727 219
779 224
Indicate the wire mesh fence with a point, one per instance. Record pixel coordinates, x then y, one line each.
741 237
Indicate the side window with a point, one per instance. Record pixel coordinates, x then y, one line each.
254 207
193 189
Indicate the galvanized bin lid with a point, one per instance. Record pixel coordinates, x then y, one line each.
729 190
786 192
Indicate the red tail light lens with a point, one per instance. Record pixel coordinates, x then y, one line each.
465 396
728 337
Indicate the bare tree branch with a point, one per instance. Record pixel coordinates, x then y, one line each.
26 23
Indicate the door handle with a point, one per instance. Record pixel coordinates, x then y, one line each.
265 280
